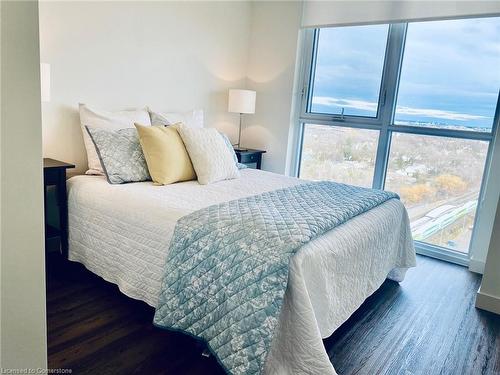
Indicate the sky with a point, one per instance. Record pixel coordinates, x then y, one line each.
450 73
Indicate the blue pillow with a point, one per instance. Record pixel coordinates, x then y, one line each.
231 148
121 155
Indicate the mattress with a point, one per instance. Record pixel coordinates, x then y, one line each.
122 233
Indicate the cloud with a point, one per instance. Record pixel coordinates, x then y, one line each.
372 106
345 103
437 113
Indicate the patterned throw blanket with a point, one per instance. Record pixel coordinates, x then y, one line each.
227 268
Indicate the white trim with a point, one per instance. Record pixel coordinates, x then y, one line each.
436 252
294 138
487 302
476 266
349 13
490 193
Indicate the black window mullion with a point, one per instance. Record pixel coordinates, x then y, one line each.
387 107
312 71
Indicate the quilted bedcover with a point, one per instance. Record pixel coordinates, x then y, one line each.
227 268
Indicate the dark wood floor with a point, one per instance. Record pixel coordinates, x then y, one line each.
426 325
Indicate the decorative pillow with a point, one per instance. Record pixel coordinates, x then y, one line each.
231 150
98 119
192 118
165 153
209 154
121 155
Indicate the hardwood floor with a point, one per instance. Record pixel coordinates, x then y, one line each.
426 325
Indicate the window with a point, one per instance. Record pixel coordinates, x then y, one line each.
349 58
410 108
439 183
342 154
450 75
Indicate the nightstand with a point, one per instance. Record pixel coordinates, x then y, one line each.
249 157
54 174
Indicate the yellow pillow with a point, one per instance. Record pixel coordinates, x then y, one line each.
165 153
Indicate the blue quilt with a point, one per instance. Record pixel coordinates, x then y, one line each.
227 268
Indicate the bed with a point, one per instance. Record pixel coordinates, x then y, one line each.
122 233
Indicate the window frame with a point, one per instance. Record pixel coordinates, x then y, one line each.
384 123
360 119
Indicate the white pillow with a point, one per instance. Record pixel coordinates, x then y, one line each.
192 118
211 158
106 120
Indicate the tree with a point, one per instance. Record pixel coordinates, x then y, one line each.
450 184
416 193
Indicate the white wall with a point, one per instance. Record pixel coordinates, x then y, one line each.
22 325
271 72
488 297
169 55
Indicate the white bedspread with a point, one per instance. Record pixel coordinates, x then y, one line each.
122 233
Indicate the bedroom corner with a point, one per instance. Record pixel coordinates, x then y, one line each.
250 187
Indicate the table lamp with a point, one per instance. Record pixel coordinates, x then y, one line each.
242 102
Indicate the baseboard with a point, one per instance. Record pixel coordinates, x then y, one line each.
487 302
476 266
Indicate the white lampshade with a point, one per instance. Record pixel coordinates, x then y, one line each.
241 101
45 82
